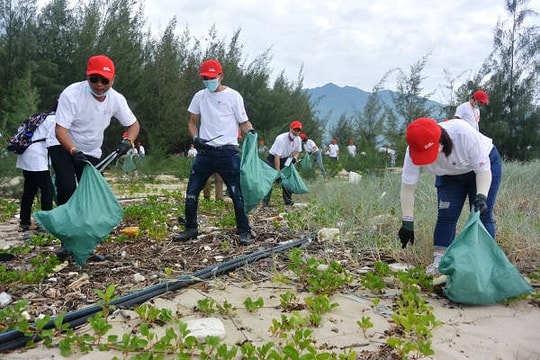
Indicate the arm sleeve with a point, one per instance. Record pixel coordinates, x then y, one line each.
407 200
483 182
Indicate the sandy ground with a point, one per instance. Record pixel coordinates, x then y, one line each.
467 332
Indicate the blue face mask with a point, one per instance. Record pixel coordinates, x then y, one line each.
476 107
96 95
212 84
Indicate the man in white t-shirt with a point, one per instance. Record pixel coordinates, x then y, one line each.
470 110
467 165
85 110
284 152
316 154
351 148
221 112
192 152
333 150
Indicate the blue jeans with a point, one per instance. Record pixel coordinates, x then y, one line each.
225 162
317 158
451 194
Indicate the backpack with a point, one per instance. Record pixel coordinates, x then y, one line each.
22 139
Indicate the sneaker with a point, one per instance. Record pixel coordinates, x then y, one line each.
186 235
433 269
246 238
62 253
97 257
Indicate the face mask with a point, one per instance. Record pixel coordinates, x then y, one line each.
476 107
97 95
211 85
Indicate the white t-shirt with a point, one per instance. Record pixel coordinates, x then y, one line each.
86 118
333 150
470 152
192 152
220 112
35 157
310 146
285 145
468 113
352 149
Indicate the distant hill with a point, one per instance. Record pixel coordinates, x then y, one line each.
333 101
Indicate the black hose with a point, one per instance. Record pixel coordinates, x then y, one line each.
14 339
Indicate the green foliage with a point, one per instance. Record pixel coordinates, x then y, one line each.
7 209
318 278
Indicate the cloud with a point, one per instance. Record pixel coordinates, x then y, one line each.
348 42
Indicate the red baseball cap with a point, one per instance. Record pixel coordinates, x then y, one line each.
211 68
100 65
296 125
303 136
423 136
481 96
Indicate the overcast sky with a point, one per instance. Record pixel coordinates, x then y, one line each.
348 42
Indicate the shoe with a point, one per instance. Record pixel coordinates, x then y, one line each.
96 257
186 235
246 238
62 253
24 228
433 269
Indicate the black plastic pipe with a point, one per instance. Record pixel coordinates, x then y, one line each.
14 339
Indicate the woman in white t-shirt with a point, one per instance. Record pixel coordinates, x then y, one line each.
470 110
467 165
34 163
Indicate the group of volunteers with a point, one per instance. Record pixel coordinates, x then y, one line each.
466 163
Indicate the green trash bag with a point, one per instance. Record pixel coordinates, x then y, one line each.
292 181
256 176
478 270
306 164
86 218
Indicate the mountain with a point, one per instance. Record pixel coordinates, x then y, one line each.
332 101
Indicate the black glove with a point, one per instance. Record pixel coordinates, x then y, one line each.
293 161
406 233
480 204
123 147
252 131
199 143
79 158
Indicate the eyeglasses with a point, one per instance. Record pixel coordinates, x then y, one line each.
95 78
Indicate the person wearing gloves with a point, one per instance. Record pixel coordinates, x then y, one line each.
85 110
220 111
284 152
313 150
466 163
470 110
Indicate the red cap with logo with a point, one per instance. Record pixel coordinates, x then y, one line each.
423 136
481 96
100 65
211 68
296 125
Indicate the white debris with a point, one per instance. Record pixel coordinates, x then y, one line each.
328 234
354 178
201 328
400 267
138 278
5 299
